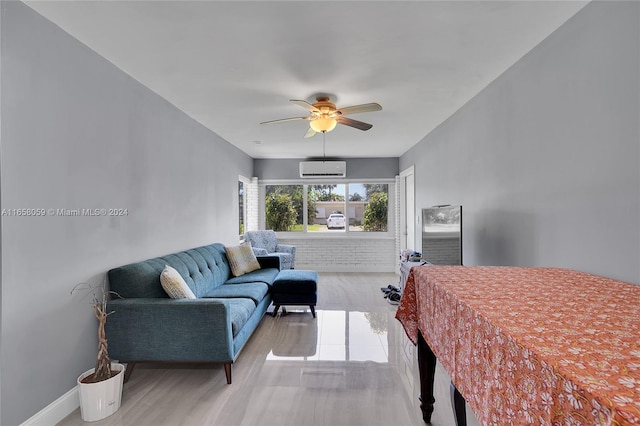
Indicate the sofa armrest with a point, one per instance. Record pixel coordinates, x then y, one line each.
269 262
284 248
159 329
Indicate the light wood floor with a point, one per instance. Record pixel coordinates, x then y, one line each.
353 365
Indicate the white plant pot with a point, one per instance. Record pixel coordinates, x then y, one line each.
102 399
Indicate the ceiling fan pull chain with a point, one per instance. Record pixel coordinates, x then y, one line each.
324 155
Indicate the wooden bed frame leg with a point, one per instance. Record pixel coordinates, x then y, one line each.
458 405
227 372
427 369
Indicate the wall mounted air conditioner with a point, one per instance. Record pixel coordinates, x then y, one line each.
323 169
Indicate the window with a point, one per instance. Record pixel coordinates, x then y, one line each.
328 203
368 207
284 208
242 202
327 208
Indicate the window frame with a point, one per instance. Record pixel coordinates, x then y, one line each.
245 183
389 233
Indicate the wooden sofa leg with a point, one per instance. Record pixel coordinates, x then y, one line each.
227 372
313 310
128 371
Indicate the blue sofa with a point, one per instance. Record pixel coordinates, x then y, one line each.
146 325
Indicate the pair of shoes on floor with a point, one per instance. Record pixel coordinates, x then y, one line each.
394 297
388 289
392 294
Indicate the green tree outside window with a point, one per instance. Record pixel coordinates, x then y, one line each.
375 215
280 213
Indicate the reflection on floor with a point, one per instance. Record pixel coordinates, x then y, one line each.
346 336
352 365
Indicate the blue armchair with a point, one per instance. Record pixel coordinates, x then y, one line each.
266 243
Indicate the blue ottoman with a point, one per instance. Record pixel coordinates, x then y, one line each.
295 287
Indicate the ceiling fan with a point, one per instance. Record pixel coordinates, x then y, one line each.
325 116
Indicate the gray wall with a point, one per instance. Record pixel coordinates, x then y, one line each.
79 133
357 168
545 161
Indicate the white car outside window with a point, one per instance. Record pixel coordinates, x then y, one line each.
336 220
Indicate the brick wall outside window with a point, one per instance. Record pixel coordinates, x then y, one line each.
344 254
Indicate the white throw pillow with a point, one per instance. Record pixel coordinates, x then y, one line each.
241 259
175 286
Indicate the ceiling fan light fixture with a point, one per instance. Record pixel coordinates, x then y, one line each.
323 124
323 115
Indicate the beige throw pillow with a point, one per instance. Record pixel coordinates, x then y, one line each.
241 259
175 286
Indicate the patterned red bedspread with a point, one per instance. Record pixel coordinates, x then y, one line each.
531 345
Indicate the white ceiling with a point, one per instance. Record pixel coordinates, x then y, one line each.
233 64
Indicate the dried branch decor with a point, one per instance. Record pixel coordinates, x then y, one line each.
99 304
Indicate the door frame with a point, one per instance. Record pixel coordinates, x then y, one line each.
407 209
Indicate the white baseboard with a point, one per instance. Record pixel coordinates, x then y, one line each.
56 411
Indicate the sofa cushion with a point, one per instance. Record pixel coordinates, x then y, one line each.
241 259
267 276
254 291
175 286
241 309
202 268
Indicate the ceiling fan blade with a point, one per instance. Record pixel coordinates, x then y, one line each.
354 123
310 133
287 119
304 104
360 108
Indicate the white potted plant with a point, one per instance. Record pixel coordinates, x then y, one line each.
100 388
